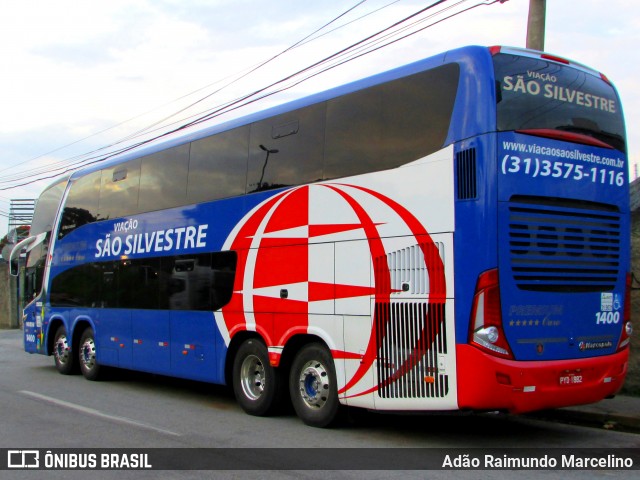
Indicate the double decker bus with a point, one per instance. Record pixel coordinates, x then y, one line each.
449 235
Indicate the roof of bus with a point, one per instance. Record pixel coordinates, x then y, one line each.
189 136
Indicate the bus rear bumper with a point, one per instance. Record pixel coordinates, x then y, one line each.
491 383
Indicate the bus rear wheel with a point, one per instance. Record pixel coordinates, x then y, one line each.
62 354
313 386
256 384
89 366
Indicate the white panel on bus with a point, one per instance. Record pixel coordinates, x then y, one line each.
321 278
353 278
356 339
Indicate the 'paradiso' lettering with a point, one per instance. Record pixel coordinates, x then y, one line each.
172 239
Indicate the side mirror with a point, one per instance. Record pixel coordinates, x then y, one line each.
14 257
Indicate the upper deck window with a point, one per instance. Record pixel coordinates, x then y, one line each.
374 129
163 179
119 190
81 206
390 124
47 207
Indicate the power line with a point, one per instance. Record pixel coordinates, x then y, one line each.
363 47
252 70
225 108
54 169
242 101
242 74
229 106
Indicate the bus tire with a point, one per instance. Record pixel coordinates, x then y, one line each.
89 365
62 353
256 384
313 386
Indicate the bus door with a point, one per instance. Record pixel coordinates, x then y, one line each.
33 314
192 294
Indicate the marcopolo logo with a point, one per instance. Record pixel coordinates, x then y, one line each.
584 346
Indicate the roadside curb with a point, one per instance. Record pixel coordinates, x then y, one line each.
619 414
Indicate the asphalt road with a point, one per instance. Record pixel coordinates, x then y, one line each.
41 409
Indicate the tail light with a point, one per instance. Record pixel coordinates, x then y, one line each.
486 330
627 326
605 78
555 58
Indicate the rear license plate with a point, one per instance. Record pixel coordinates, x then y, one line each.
570 379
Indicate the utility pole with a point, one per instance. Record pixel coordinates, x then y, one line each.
535 25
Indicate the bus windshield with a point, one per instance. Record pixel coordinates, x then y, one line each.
535 94
43 219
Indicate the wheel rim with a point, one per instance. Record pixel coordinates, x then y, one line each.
252 377
88 354
314 385
62 349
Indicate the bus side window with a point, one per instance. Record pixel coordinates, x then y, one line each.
163 179
119 190
81 206
417 113
391 124
223 266
354 132
287 149
218 166
199 282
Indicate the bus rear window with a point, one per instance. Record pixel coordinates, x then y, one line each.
536 94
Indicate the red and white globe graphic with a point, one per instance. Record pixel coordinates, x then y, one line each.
288 273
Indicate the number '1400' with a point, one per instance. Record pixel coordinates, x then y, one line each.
607 318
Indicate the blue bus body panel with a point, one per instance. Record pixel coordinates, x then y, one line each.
198 350
553 217
151 345
33 334
476 230
563 248
475 104
529 165
103 241
114 337
179 342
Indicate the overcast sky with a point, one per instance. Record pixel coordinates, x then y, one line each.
79 75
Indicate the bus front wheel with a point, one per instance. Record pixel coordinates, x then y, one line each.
313 386
256 384
87 356
62 353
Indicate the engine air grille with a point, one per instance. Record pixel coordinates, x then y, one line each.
467 176
408 268
410 338
563 245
